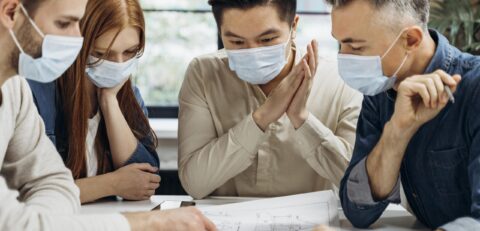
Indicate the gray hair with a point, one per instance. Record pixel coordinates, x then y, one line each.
416 10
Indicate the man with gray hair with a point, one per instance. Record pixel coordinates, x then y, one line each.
418 135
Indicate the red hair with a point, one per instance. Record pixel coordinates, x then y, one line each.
100 17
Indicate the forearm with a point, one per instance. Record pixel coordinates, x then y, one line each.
96 187
120 136
204 167
384 162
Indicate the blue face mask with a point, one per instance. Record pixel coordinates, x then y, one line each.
365 73
107 74
58 54
258 65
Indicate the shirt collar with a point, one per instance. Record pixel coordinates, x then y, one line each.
444 53
442 59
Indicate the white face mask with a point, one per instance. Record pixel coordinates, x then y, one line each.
107 74
58 54
365 73
258 65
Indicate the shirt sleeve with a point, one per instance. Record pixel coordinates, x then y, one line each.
359 190
16 215
329 152
32 161
369 131
145 151
206 160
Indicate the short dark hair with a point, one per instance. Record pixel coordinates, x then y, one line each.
287 9
418 9
31 5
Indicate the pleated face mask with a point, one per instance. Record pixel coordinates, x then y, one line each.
365 73
107 74
58 54
259 65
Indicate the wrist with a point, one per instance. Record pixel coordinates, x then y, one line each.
137 221
260 118
298 119
400 130
397 139
112 183
107 99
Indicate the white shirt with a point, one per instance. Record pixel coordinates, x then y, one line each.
92 160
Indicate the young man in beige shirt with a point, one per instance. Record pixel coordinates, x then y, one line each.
37 191
258 119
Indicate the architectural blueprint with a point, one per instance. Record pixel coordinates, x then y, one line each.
292 213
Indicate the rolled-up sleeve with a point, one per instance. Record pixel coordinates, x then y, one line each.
369 131
359 190
143 154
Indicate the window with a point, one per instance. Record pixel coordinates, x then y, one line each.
178 31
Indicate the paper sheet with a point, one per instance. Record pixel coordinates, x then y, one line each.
292 213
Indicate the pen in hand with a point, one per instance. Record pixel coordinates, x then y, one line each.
450 95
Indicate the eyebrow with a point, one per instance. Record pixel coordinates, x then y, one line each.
267 32
134 47
70 18
105 49
350 40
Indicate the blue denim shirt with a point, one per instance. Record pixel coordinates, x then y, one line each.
45 97
440 172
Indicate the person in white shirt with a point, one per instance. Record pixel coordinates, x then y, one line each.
37 191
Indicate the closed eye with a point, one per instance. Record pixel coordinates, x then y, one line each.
268 40
358 49
63 24
238 43
131 52
98 54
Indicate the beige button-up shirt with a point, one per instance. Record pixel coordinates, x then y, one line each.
223 152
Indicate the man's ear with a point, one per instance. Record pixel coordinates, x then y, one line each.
8 8
295 27
414 38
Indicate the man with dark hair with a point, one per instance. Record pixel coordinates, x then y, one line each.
257 118
286 9
37 191
418 135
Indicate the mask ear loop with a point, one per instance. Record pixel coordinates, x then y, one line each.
393 44
293 45
391 47
31 21
401 65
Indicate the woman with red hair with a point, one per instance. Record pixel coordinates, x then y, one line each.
93 113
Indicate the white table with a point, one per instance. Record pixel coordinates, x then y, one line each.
394 218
